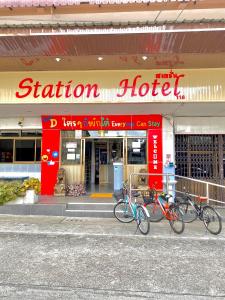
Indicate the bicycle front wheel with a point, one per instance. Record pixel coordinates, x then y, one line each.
189 214
123 212
211 219
155 212
175 219
142 220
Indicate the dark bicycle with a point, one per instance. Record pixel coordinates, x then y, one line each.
206 213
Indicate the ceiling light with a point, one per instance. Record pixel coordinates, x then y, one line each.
57 59
144 57
100 58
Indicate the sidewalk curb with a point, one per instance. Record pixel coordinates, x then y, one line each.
128 236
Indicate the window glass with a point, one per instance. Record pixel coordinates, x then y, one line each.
38 150
114 133
68 133
25 150
71 150
115 150
31 133
141 133
136 151
6 150
9 133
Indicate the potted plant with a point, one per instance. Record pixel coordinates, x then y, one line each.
32 187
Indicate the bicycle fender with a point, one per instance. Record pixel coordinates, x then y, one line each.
146 211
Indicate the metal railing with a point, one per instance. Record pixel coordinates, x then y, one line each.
195 187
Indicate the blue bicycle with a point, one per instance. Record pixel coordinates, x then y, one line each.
127 211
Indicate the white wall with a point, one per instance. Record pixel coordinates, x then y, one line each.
28 123
168 140
199 125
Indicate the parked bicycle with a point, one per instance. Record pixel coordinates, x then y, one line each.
206 213
127 211
159 206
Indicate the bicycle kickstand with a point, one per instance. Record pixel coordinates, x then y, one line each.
136 229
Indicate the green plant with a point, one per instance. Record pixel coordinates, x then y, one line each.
31 184
10 191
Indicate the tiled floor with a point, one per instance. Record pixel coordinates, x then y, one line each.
103 188
100 188
65 200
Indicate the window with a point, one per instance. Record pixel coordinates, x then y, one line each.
197 156
25 150
136 151
114 133
6 151
12 133
20 150
71 149
38 150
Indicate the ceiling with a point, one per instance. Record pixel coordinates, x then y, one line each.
174 46
177 34
113 62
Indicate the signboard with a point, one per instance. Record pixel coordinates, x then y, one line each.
119 86
104 122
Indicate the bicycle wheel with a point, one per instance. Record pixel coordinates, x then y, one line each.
123 212
211 219
189 214
175 219
155 212
142 220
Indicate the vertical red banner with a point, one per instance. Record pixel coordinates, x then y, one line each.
50 160
155 158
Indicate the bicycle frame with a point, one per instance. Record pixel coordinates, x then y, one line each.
197 208
164 209
133 206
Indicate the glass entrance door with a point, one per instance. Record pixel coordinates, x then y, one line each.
99 157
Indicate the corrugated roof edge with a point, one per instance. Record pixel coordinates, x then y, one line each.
48 3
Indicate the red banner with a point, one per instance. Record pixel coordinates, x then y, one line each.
104 122
50 160
155 158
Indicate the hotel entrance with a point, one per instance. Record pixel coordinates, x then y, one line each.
86 150
100 154
89 158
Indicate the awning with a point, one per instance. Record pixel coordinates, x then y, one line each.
56 3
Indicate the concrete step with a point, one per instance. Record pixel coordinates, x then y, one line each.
90 206
34 209
94 210
89 213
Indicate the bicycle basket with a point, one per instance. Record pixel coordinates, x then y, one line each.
118 195
148 196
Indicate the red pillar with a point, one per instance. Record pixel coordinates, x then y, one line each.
50 160
155 157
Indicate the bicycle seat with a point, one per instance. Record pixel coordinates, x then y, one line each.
136 194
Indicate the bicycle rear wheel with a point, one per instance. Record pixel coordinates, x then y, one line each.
155 212
175 219
189 214
123 212
142 220
211 220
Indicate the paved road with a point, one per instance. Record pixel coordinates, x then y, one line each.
61 258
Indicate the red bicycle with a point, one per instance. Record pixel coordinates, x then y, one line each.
159 207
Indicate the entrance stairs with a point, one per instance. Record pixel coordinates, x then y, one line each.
95 210
80 207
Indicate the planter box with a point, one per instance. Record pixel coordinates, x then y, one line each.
30 198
